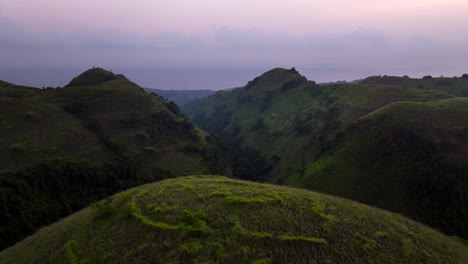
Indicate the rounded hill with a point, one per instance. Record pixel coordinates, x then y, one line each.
94 76
213 219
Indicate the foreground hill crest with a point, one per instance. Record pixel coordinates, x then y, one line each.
213 219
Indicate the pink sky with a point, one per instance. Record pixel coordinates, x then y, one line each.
296 16
354 38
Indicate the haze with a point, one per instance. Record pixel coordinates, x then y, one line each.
217 44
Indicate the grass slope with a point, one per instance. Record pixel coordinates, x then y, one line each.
212 219
407 157
63 148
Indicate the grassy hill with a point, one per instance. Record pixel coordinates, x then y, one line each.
212 219
291 120
455 86
95 76
299 126
181 97
408 157
64 148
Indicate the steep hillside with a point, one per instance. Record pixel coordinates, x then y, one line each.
63 148
301 129
455 86
407 157
212 219
181 97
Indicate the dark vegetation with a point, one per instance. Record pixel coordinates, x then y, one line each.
43 193
212 219
414 162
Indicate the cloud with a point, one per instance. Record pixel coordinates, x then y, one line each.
360 52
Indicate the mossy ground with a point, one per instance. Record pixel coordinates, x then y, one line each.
212 219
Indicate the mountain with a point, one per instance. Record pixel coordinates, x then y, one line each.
181 97
63 148
455 86
213 219
317 137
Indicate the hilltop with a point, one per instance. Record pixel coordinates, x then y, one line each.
95 76
212 219
64 148
297 125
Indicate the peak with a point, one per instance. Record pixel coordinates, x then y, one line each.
277 76
94 76
282 71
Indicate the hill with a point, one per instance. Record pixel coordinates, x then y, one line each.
455 86
212 219
291 120
297 125
408 157
181 97
95 76
12 90
63 148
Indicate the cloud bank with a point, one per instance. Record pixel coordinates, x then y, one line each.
324 52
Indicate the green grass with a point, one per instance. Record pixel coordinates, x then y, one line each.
199 227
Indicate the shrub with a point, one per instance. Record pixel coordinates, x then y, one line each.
105 208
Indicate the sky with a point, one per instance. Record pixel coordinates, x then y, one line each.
218 44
